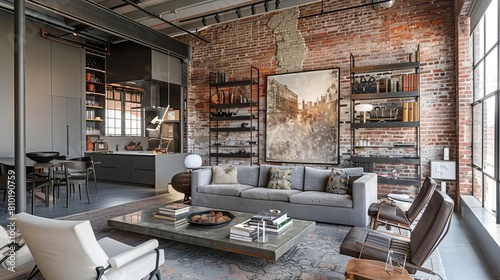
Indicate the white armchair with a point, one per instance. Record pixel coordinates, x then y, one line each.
69 250
13 251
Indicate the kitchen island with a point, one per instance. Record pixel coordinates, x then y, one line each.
138 167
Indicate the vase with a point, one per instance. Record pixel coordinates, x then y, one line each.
90 145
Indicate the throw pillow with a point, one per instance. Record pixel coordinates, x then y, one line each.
224 175
351 181
280 178
337 182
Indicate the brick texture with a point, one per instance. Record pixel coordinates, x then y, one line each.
278 42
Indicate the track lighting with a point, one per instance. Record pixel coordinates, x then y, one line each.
254 11
217 18
277 4
75 32
238 13
266 6
204 21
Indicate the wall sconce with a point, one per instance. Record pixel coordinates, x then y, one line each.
266 6
277 4
238 13
254 11
363 109
204 21
217 18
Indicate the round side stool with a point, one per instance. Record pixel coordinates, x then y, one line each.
181 182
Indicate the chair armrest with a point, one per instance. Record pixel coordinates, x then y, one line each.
377 218
134 253
364 193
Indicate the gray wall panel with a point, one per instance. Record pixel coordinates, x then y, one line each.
67 69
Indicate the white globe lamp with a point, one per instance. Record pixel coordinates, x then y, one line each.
192 161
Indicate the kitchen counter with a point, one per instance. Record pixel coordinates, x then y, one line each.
139 167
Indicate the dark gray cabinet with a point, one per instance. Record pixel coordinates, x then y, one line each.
138 167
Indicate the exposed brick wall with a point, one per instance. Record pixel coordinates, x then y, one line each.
373 36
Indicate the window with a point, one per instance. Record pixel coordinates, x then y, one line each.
486 111
121 119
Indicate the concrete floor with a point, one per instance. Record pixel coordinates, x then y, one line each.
462 257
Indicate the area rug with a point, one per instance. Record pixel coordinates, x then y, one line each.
316 257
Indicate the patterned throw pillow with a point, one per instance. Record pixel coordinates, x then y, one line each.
280 178
224 175
337 182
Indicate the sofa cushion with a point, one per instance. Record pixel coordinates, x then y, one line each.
224 175
224 189
315 179
337 182
248 175
322 198
280 179
297 177
268 194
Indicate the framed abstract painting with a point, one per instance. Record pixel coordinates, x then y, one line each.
302 117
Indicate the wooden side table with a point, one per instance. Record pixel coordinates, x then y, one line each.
181 182
361 269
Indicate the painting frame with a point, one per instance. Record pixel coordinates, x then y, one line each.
302 117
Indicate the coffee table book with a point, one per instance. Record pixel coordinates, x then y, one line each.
271 217
179 217
243 229
175 208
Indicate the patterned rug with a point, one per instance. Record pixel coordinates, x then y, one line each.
316 257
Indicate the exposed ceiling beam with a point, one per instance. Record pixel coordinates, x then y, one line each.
162 8
106 20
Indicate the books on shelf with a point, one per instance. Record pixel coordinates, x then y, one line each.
175 208
271 217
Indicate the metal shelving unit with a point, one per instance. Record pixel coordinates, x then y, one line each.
234 118
374 157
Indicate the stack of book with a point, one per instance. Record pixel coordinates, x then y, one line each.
174 213
243 232
275 222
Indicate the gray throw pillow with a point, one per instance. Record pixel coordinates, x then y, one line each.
224 175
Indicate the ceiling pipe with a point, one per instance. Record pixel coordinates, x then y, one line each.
164 20
344 9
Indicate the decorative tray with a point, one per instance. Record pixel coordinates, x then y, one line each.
210 218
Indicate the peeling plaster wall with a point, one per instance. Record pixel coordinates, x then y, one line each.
290 45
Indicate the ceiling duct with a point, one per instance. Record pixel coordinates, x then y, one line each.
97 16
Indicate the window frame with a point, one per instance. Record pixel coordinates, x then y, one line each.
125 123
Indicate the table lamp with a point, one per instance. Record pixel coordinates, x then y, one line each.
192 161
363 109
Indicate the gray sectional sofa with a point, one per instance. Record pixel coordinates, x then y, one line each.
306 200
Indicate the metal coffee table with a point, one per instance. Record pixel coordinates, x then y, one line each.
216 237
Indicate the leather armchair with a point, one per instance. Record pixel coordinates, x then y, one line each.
69 250
426 236
389 214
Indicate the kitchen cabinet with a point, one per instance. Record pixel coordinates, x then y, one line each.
67 126
234 118
138 167
386 130
95 92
